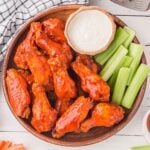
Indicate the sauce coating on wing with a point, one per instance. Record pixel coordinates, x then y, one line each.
54 28
91 82
52 48
103 115
44 116
18 94
20 56
71 119
7 145
64 85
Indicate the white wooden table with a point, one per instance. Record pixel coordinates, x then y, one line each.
131 135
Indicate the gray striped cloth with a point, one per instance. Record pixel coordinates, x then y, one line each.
14 13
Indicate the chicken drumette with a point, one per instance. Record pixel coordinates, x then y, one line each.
104 115
18 94
52 48
39 67
91 83
7 145
20 56
71 119
44 116
30 57
64 85
88 62
54 28
27 76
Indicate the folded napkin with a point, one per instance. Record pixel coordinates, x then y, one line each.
13 13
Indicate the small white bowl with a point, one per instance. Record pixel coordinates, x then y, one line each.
145 126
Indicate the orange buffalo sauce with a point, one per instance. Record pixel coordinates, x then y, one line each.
148 122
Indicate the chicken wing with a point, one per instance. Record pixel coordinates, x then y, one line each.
27 76
88 61
34 60
39 67
105 115
91 83
44 116
64 86
20 57
71 119
18 94
52 48
54 28
7 145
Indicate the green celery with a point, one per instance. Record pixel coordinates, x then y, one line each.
120 85
135 51
125 62
134 87
120 36
146 147
131 33
113 62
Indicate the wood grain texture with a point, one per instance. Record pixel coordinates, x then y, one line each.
36 144
119 10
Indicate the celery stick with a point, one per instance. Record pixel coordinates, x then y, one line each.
136 51
131 33
135 85
120 85
120 36
112 64
146 147
125 62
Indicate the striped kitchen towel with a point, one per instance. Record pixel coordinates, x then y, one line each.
13 13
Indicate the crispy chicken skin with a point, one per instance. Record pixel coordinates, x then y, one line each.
91 83
52 48
18 94
27 76
35 60
20 57
40 69
54 28
64 85
38 64
44 116
88 61
105 115
7 145
71 119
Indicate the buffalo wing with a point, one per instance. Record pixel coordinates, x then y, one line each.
7 145
54 28
104 115
27 53
52 48
89 62
44 116
91 82
71 119
64 86
18 94
20 56
27 76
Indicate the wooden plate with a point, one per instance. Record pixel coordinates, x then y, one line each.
71 139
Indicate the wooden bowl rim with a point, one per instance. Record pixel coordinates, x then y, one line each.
50 139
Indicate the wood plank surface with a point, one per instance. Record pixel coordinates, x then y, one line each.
131 135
